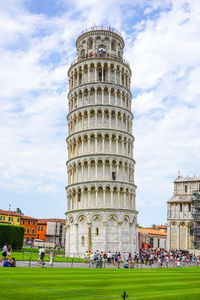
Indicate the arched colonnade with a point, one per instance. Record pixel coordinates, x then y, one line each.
99 94
99 71
100 142
100 117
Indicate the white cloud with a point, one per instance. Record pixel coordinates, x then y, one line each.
162 39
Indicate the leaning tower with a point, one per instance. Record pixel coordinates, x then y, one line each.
101 213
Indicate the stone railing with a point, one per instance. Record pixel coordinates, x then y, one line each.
96 55
108 28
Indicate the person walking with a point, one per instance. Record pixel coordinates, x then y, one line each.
109 257
51 255
42 254
9 251
91 259
4 252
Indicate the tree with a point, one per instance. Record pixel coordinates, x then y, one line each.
153 226
19 211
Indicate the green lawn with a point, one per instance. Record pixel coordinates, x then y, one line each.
19 255
43 283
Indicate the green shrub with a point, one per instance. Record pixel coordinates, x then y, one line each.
11 234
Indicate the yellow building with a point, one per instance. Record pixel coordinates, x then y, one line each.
9 217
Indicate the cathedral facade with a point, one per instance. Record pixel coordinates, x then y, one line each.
101 211
180 213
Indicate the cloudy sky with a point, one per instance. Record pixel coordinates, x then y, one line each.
37 44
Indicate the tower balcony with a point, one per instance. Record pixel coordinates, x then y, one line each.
95 54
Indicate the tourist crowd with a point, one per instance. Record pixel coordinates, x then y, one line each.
157 257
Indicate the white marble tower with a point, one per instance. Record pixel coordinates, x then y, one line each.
101 213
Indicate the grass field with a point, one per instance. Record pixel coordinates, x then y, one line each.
25 283
34 257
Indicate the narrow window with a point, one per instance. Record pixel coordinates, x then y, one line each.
41 228
186 188
181 207
33 230
79 197
28 230
199 187
38 228
113 175
100 75
189 206
82 241
29 222
158 243
33 222
97 231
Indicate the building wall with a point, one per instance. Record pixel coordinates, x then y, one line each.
30 226
179 213
10 219
41 231
55 233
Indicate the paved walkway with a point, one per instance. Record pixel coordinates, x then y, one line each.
35 264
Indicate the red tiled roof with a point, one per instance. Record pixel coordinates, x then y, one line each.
27 217
152 231
9 212
44 221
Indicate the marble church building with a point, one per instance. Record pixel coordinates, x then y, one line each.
101 209
180 220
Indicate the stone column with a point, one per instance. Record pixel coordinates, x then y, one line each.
169 236
103 170
122 145
82 75
124 199
68 239
120 236
82 172
121 99
115 97
186 239
102 95
88 114
88 74
103 119
105 225
104 197
118 198
88 198
109 100
82 145
89 237
76 239
95 95
109 73
117 144
111 196
95 73
96 200
110 120
82 98
95 119
96 170
110 145
103 144
95 143
178 235
131 236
